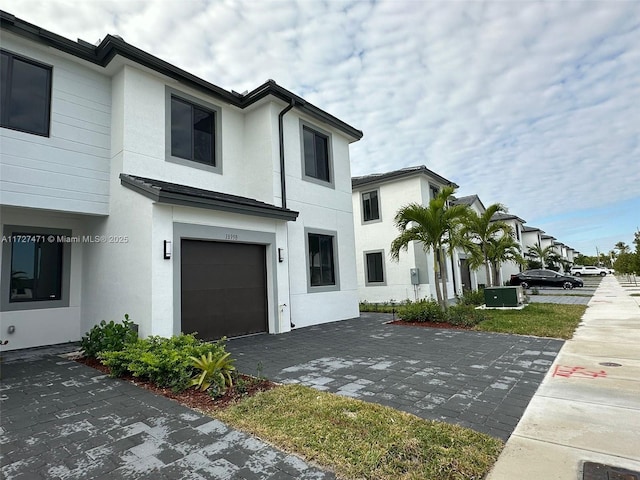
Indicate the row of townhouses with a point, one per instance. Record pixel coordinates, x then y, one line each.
128 185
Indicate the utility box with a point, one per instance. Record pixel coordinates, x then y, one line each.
415 276
503 296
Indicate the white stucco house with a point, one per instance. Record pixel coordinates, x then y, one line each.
376 200
128 185
516 224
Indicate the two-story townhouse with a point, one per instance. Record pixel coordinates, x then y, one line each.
128 185
516 224
376 200
470 279
531 236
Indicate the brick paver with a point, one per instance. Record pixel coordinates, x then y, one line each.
63 420
480 380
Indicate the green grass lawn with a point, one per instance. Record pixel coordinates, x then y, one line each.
538 319
356 439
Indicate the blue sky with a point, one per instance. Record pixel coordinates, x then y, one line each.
535 105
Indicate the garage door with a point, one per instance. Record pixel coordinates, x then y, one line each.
224 289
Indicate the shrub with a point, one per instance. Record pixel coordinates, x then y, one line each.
423 311
164 361
465 315
469 297
215 371
108 337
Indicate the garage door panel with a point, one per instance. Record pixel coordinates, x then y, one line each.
223 288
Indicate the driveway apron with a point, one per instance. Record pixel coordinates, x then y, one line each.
479 380
64 420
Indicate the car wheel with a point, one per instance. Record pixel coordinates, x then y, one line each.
577 274
524 285
567 285
602 274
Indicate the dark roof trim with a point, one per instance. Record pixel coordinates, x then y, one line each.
505 216
469 200
398 174
175 194
113 45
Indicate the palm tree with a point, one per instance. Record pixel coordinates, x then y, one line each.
503 249
622 247
431 225
480 229
545 255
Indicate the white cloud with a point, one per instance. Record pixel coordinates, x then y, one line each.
535 105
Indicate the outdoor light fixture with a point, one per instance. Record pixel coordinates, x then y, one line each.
280 255
167 249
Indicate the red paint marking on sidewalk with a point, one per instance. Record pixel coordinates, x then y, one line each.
567 372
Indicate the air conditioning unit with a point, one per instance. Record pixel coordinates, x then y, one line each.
504 296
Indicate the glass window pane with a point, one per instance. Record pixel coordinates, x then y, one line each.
22 270
28 105
49 271
375 212
374 267
203 122
4 83
36 271
181 125
321 262
322 158
309 153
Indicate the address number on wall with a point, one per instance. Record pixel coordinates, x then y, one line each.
231 236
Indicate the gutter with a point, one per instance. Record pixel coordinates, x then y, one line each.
283 181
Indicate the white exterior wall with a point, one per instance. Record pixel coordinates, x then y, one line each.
44 326
321 207
69 170
375 236
511 268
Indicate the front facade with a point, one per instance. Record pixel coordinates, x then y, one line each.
376 200
516 224
130 186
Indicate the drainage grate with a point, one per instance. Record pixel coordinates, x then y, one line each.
599 471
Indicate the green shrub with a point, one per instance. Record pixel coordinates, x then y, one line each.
215 371
108 337
469 297
422 311
465 315
164 361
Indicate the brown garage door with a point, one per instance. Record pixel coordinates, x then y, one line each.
224 289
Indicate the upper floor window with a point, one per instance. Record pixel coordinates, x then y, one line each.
434 191
25 86
370 206
316 154
192 132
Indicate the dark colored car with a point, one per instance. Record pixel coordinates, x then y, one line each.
545 278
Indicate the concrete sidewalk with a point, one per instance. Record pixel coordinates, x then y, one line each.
587 408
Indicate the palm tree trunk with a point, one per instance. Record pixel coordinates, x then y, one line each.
487 269
436 269
443 279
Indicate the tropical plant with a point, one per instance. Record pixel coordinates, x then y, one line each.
214 370
543 255
430 225
480 229
502 249
422 311
108 337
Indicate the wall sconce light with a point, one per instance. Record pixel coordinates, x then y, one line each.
167 249
280 255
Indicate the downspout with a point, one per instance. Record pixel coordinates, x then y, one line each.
283 182
283 191
453 275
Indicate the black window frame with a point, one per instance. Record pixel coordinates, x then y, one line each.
7 86
378 280
328 281
368 214
194 108
326 178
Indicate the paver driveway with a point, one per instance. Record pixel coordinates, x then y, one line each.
480 380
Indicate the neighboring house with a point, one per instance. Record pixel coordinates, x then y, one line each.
128 185
376 200
517 224
546 240
530 236
470 279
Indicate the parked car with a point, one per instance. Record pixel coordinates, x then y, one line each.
578 270
545 278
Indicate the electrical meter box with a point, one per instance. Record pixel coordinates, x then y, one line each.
503 296
415 276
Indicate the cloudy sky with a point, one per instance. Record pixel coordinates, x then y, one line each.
533 105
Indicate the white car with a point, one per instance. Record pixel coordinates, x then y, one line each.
578 270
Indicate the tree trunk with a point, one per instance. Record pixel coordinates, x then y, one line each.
443 279
496 275
487 271
436 268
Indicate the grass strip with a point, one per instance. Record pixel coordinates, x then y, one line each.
537 319
357 439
